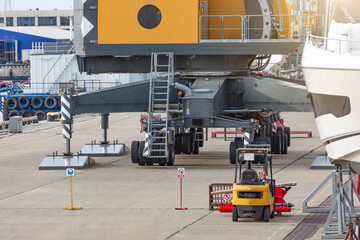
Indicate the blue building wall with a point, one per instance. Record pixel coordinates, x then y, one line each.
24 40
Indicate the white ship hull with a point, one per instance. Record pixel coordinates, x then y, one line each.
333 79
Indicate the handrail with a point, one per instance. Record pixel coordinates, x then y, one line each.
244 27
323 42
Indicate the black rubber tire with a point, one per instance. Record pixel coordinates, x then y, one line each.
271 136
135 151
235 215
11 103
23 102
239 143
284 145
266 214
50 102
40 114
232 152
171 158
178 143
279 129
37 102
272 215
277 143
201 136
196 147
267 140
186 143
149 161
27 113
287 131
262 158
142 159
238 139
192 141
160 161
14 113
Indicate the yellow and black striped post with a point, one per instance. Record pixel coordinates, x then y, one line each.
66 121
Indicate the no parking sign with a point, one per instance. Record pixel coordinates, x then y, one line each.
227 197
181 172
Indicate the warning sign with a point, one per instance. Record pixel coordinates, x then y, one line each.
181 172
227 197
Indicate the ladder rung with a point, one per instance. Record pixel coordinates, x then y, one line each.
162 65
160 93
158 150
159 131
158 144
159 106
162 77
160 87
158 137
161 81
160 100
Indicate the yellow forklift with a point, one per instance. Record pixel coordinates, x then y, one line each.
253 193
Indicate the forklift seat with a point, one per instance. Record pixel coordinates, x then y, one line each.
249 176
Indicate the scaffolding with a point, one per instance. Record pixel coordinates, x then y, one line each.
10 48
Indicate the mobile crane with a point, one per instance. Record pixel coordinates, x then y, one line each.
199 55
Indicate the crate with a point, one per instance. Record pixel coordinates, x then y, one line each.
218 199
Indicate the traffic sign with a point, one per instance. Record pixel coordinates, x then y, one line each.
70 172
181 172
227 197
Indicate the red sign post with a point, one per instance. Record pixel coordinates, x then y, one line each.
181 175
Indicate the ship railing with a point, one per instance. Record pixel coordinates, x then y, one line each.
341 46
240 28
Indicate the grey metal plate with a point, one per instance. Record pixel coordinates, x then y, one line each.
103 149
322 162
51 162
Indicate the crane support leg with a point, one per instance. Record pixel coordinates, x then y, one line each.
105 148
67 159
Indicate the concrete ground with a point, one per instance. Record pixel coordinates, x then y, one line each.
121 200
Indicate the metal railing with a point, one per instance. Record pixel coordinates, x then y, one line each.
63 47
74 86
334 45
240 27
221 28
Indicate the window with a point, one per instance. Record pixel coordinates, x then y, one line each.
1 20
338 106
9 21
349 6
26 21
47 21
65 21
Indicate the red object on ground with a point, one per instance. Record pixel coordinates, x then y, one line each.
308 133
214 134
358 184
226 208
280 123
282 209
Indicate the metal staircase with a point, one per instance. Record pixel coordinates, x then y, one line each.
162 76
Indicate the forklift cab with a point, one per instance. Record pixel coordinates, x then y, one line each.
253 192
